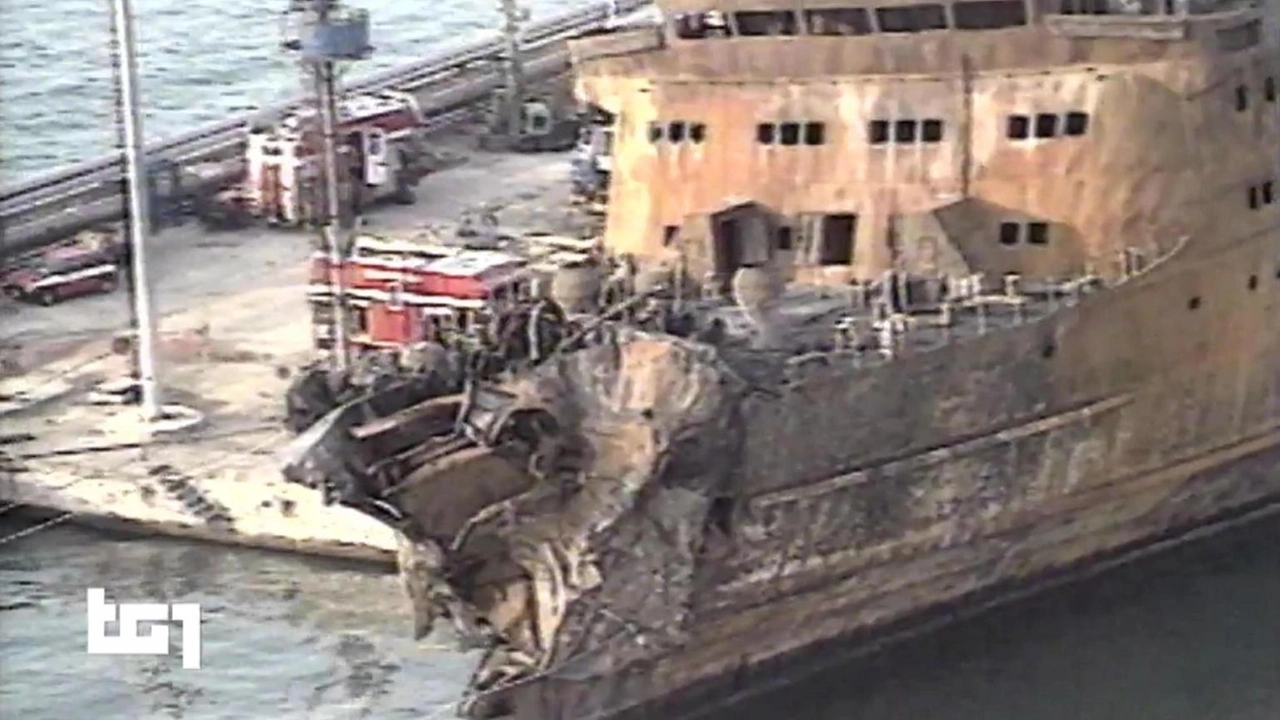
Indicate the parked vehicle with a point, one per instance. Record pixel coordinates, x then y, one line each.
91 263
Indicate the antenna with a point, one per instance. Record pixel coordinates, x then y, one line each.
325 33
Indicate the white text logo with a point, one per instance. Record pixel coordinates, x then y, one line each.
130 641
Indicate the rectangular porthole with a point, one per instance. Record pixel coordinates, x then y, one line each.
1010 233
1075 124
1018 127
1046 125
878 132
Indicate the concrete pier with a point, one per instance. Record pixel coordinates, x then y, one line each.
234 323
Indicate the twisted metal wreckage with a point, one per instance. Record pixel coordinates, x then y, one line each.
598 455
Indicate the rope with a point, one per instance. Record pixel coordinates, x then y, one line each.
35 528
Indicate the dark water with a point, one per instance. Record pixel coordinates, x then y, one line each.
1192 635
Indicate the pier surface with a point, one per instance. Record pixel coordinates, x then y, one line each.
234 323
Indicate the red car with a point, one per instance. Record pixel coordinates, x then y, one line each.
63 273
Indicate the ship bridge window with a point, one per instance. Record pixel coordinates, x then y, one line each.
1034 233
791 133
989 14
757 23
1242 98
904 131
1261 194
696 26
1240 37
677 131
1269 89
1018 127
839 21
1084 7
878 132
1046 125
912 18
1075 124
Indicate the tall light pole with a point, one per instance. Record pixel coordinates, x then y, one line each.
329 34
135 170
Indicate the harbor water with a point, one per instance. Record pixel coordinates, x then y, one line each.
1191 635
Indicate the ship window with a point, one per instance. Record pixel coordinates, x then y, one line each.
1242 98
790 133
655 132
1253 282
1267 196
697 132
815 133
1038 233
1010 233
675 131
1019 127
360 320
1253 197
1046 125
1077 123
786 237
912 18
1240 37
878 132
841 21
837 239
1084 7
1194 303
765 133
691 26
760 22
904 131
669 234
931 131
1269 89
989 14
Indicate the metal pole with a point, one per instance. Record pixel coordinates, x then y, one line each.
335 248
513 67
122 21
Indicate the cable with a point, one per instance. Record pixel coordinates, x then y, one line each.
36 528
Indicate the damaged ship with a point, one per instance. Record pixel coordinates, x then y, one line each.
896 304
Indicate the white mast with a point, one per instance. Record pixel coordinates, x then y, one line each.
127 69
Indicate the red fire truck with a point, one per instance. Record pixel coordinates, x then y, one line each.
400 292
381 153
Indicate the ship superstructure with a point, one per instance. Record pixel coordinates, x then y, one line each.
916 302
